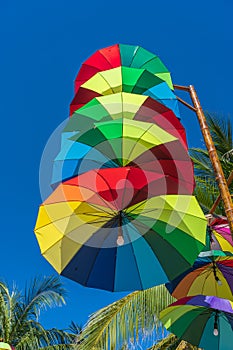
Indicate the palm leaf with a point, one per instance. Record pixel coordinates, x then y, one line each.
126 320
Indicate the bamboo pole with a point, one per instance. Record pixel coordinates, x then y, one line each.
221 181
229 181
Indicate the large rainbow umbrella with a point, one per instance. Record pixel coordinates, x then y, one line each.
96 235
203 321
130 106
124 79
122 55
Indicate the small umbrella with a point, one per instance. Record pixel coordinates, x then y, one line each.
208 276
124 79
217 243
221 226
92 239
203 321
129 106
122 55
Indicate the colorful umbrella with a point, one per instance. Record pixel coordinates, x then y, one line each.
129 106
124 79
90 237
217 244
208 276
221 226
122 142
122 55
204 321
123 180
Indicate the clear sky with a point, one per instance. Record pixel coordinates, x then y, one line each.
43 44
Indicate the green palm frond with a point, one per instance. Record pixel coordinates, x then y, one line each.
75 328
221 132
206 192
19 314
125 320
207 189
201 162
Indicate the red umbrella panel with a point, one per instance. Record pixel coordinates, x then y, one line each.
138 144
121 55
124 186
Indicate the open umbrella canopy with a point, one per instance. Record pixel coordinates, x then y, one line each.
125 186
129 106
220 226
86 235
122 55
125 142
208 276
217 244
203 321
124 79
4 346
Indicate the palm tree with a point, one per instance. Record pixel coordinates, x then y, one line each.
19 316
136 316
206 189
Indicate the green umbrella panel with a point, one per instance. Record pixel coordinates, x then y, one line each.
127 106
124 140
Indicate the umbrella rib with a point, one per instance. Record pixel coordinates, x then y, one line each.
105 60
54 221
132 58
95 206
207 274
99 196
137 141
122 105
107 83
124 191
69 216
104 179
152 59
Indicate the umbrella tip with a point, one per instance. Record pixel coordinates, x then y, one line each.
120 241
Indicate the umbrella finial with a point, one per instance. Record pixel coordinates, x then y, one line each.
120 239
215 332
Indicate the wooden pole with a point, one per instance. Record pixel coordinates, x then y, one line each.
221 181
229 181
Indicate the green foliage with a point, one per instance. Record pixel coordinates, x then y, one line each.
206 189
125 321
20 311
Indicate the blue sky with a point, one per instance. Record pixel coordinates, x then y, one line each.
43 44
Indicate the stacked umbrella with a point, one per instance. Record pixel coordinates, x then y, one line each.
121 215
